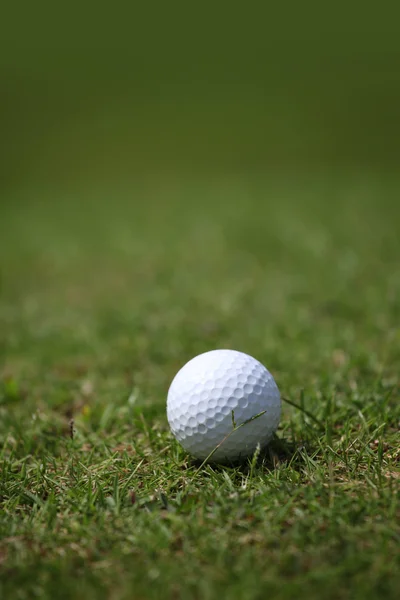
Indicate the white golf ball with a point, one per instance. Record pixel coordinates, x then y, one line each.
216 392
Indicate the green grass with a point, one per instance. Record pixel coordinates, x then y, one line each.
105 294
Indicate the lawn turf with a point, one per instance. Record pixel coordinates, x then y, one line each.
105 294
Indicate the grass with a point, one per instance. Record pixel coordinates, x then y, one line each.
105 294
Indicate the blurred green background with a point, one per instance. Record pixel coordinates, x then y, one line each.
104 93
177 155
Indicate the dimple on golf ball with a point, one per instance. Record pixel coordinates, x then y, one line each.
216 392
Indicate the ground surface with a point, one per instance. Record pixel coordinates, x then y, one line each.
105 294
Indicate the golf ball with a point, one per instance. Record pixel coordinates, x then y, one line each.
215 393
